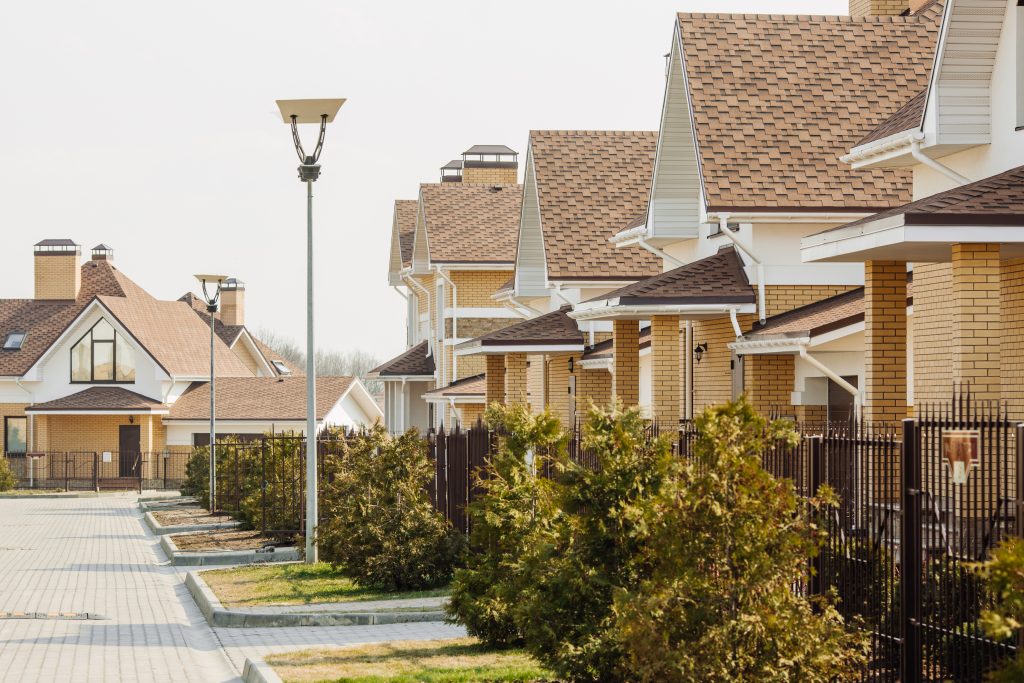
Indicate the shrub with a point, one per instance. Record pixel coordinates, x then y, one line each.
382 530
1004 573
592 548
7 478
275 504
512 503
237 473
727 544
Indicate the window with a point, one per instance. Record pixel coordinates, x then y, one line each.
102 355
281 367
14 341
15 434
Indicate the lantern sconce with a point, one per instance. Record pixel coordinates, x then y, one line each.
572 364
699 350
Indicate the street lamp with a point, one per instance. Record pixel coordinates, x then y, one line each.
322 112
211 308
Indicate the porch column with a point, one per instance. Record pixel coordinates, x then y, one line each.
665 369
626 362
976 320
515 378
885 340
495 390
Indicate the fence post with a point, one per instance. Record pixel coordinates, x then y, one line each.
1019 477
816 476
910 554
95 471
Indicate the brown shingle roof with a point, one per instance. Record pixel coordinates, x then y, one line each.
405 211
906 117
271 355
778 99
589 184
716 279
101 398
471 223
555 327
994 200
840 310
467 386
259 398
414 362
604 349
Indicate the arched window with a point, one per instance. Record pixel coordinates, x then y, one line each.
102 355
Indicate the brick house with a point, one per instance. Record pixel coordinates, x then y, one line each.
94 363
961 137
451 249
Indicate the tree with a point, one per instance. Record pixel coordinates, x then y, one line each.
7 478
382 530
328 363
512 503
727 542
1004 572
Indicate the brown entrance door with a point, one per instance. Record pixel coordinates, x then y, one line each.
840 401
130 450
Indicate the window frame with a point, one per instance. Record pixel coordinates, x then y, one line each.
280 367
92 357
7 341
7 431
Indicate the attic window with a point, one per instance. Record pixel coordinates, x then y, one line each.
14 341
281 367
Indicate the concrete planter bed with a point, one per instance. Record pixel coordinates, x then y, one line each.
153 522
206 558
339 614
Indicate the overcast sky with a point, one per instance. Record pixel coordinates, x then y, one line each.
152 127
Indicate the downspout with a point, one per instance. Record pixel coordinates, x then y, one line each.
915 151
735 323
455 319
852 390
688 372
642 241
723 221
451 404
411 281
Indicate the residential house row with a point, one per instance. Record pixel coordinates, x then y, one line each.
830 236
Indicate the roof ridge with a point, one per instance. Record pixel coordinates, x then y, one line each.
587 131
837 18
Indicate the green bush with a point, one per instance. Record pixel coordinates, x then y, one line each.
382 530
512 503
592 548
237 473
276 503
726 545
1004 577
7 478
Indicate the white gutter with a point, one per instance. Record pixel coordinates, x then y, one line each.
915 151
643 312
723 221
411 281
639 232
853 391
455 318
735 323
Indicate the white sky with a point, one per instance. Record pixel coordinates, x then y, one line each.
151 127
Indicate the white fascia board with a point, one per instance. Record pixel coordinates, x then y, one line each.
456 341
472 265
363 397
521 348
626 238
890 151
454 399
163 411
596 364
775 217
613 311
400 378
471 312
891 232
784 345
251 345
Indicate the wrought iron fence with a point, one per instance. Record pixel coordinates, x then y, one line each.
99 470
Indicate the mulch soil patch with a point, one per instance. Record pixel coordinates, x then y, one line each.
222 540
189 515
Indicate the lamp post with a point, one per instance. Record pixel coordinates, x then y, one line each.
322 112
211 308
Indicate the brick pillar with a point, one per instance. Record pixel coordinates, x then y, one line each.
665 369
626 361
515 378
495 391
976 326
885 340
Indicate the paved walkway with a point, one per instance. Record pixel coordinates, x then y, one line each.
93 555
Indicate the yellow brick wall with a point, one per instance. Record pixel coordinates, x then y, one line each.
559 399
771 382
976 325
885 340
933 353
665 369
40 433
537 382
469 413
516 384
232 306
494 176
593 386
97 432
1011 357
57 277
495 380
626 362
476 287
863 8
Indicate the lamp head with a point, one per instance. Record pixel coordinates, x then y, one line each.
309 111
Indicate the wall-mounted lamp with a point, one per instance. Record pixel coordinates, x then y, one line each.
131 419
572 364
699 350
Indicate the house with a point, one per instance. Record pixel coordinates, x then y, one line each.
451 249
94 363
754 122
960 136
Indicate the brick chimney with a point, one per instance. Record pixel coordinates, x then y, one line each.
877 8
101 252
232 302
58 275
490 164
917 5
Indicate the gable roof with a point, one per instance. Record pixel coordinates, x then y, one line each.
414 362
551 329
100 399
814 318
471 223
589 183
718 279
405 220
776 100
469 387
259 398
909 116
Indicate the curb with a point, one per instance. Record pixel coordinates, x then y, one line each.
216 615
258 671
155 497
160 530
183 558
55 494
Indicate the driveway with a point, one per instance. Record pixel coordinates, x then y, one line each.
61 558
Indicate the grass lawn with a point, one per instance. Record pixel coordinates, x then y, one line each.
426 661
294 584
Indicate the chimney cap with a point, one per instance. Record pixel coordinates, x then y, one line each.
102 252
103 247
57 246
490 149
453 165
232 283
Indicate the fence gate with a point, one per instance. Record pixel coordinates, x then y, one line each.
959 471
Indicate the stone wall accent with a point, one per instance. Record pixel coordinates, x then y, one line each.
470 328
885 340
537 382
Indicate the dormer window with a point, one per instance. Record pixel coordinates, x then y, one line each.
14 341
280 367
102 355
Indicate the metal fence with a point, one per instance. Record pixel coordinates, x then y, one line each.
99 470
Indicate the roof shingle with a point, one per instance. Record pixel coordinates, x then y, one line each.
471 223
100 398
413 362
259 398
405 214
